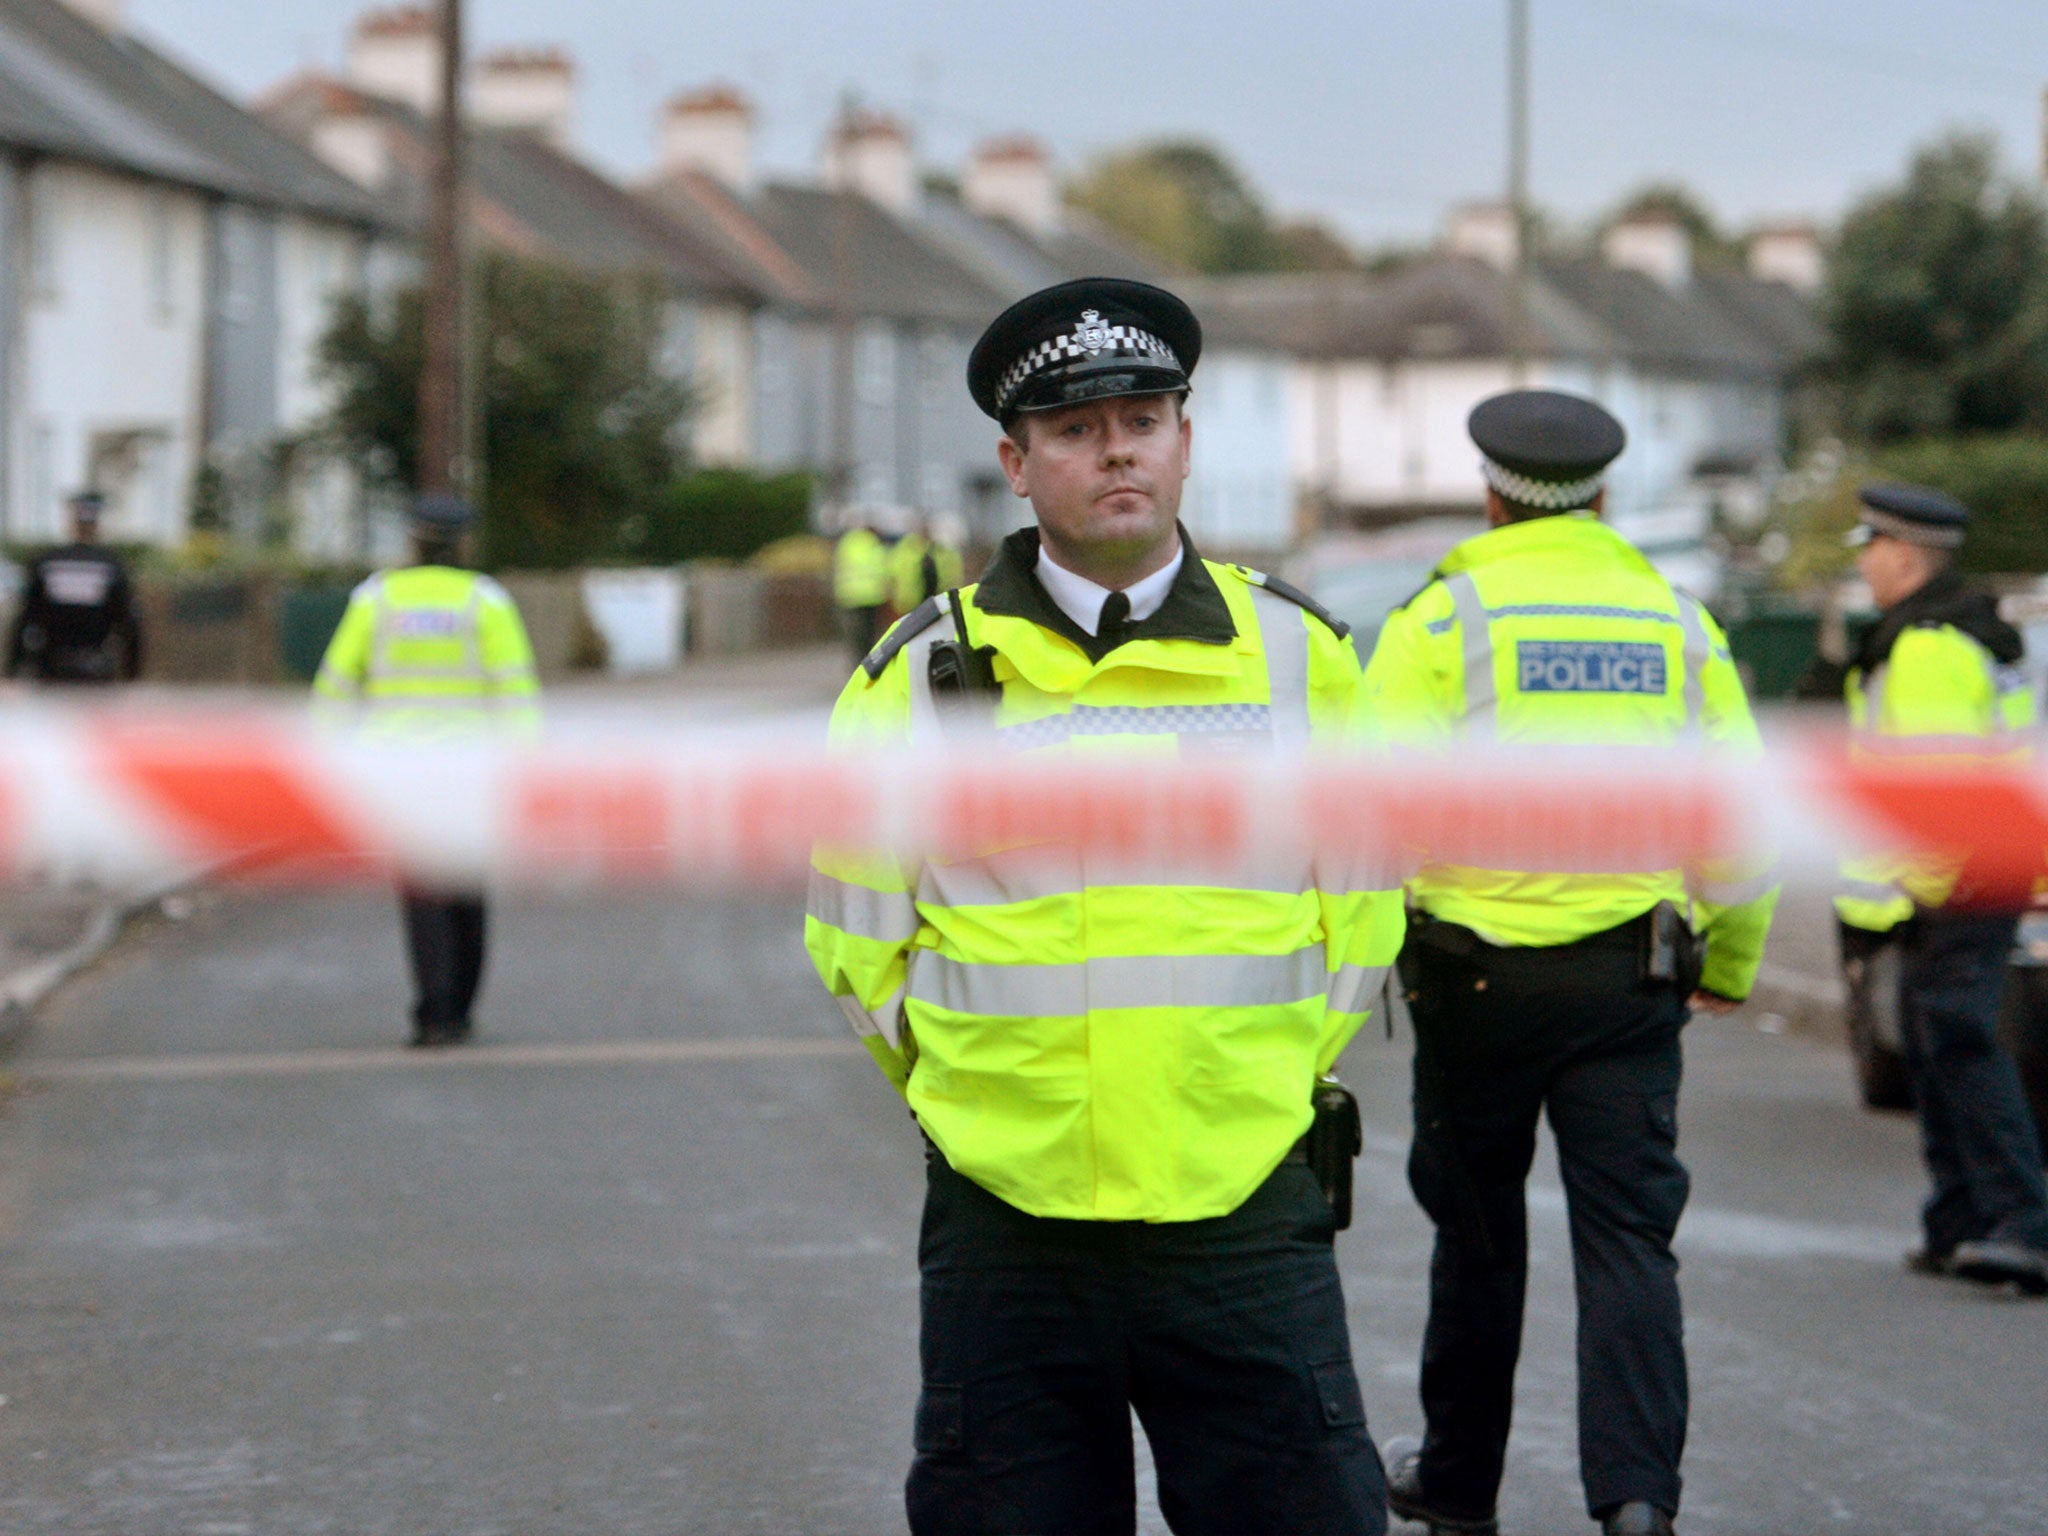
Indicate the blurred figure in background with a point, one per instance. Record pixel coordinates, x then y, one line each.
1943 669
860 584
76 623
922 564
434 652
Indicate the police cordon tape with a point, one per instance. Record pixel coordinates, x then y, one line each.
124 794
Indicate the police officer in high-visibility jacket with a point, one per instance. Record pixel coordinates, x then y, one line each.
1114 1066
433 652
1942 669
860 585
1536 991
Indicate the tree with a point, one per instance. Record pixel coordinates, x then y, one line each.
581 427
1937 302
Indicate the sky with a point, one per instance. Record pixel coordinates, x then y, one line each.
1374 115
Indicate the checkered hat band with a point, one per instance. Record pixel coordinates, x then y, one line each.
1934 536
1544 495
1117 341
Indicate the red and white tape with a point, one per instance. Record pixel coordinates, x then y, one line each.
124 794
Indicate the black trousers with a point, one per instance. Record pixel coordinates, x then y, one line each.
1976 1130
1605 1065
863 629
444 933
1227 1336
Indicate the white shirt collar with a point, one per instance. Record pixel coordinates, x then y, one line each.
1081 599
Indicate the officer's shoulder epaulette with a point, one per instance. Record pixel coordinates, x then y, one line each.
905 630
1294 595
1431 580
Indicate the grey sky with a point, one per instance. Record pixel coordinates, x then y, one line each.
1372 113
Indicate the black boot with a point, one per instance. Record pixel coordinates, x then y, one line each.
1403 1457
1638 1517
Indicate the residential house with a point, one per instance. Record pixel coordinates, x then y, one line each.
1698 365
861 361
166 261
529 193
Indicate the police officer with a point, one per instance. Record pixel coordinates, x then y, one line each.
1536 991
1941 665
860 585
433 652
1114 1066
77 623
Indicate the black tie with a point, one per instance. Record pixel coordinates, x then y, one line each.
1116 617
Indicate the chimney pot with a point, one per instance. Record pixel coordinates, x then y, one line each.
1011 178
711 131
1790 254
395 54
869 153
1485 231
532 90
1655 245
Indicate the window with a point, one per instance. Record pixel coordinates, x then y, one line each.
874 367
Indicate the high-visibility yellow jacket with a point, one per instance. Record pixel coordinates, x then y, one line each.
429 652
907 570
1081 1039
1937 690
860 569
1557 631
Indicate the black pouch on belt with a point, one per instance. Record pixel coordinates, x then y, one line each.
1673 955
1335 1138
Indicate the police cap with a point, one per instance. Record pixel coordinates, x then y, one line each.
439 514
1918 514
1091 339
1545 449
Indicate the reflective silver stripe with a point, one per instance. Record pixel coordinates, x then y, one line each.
884 1021
1123 981
1139 720
1032 874
1699 650
1870 890
1354 987
1478 641
1873 699
887 917
1283 630
1736 893
1582 611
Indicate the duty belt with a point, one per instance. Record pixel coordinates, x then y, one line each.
1654 950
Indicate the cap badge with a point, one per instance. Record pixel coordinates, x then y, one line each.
1093 332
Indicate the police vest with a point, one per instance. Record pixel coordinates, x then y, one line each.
1556 631
430 651
1941 690
1082 1038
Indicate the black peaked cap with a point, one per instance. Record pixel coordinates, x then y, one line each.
1935 510
1546 435
1091 339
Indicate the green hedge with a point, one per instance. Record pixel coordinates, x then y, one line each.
725 514
2002 479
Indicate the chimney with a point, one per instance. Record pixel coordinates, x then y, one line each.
1789 254
532 90
1485 231
350 137
107 15
1011 179
869 153
711 131
1653 244
396 55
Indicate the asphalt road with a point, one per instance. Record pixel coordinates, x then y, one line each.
643 1261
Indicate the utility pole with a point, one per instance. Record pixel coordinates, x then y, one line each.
1518 190
442 463
839 156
